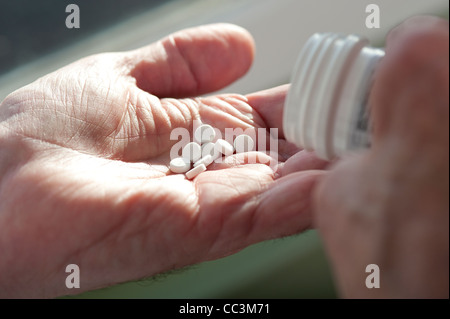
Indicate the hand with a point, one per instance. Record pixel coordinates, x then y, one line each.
84 155
390 206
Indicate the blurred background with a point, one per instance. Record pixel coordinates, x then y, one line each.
34 41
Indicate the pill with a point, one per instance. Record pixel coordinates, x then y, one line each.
243 143
208 149
224 147
192 152
195 171
208 159
215 156
204 134
179 165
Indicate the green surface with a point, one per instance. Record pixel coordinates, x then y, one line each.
293 267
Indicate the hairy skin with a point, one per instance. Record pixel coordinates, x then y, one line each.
84 155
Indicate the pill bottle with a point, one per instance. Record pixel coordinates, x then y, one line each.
326 108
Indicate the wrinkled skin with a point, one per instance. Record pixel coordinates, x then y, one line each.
84 177
390 206
84 167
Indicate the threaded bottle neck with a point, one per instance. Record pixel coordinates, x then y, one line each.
326 106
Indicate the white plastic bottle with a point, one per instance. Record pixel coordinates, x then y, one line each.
326 109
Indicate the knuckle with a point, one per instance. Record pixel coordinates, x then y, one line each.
420 41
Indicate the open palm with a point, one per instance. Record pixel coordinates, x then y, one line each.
84 167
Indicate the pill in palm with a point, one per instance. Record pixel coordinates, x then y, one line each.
195 171
208 149
192 152
204 134
179 165
243 143
208 159
224 147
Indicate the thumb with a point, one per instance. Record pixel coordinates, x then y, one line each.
410 94
192 61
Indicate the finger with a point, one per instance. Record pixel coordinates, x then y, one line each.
248 206
227 111
229 114
330 194
244 159
416 23
269 105
193 61
410 94
301 161
286 207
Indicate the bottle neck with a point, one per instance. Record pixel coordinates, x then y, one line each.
352 125
326 106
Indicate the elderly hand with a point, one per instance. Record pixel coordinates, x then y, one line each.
84 177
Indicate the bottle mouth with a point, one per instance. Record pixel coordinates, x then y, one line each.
328 86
